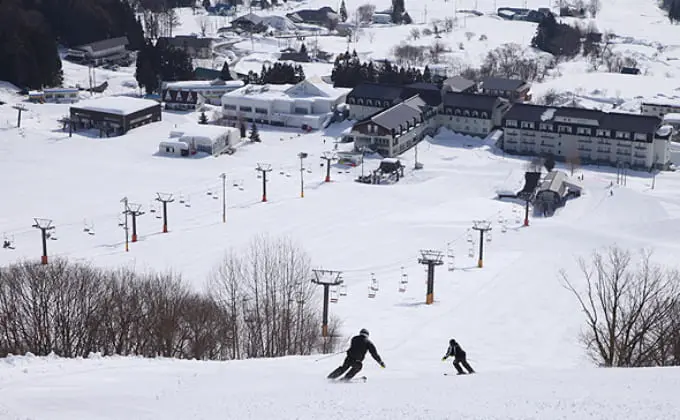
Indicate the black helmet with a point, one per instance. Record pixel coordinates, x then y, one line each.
364 332
452 342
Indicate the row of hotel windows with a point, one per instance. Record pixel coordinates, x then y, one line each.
466 113
583 131
259 110
368 102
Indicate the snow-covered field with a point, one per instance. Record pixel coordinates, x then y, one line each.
518 324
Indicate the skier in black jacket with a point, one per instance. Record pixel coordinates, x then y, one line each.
355 356
459 357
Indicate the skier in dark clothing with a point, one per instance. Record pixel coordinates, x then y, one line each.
355 356
459 357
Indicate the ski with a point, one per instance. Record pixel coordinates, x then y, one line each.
356 379
457 374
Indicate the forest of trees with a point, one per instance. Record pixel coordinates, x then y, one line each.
277 74
31 30
161 62
349 71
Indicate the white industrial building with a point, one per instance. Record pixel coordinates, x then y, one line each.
309 103
190 139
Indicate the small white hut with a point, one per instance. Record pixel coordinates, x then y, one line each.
211 139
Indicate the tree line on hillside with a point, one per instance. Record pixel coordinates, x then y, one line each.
673 9
161 62
260 304
349 71
277 74
30 32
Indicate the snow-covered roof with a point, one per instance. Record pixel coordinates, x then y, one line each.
260 91
664 131
662 101
119 105
201 130
672 117
327 88
204 84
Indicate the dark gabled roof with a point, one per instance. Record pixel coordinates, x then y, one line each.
469 100
323 14
104 44
249 18
606 120
428 92
498 83
526 112
180 41
391 118
630 122
376 91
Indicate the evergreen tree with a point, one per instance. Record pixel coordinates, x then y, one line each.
203 119
303 49
146 72
398 10
343 11
427 76
206 4
242 127
674 11
225 74
254 134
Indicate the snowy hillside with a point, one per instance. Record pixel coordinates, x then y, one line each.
513 316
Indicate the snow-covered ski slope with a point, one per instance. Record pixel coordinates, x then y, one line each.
518 324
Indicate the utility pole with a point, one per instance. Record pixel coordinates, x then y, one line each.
134 210
45 225
165 198
328 157
482 226
326 278
302 156
224 197
19 108
126 211
264 168
431 259
363 151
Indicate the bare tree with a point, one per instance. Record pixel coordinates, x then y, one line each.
593 7
365 13
409 55
203 25
469 35
415 34
629 309
435 51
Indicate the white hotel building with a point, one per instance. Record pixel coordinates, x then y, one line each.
591 136
308 103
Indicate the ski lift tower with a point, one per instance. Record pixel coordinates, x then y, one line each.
19 108
45 225
431 259
326 278
482 226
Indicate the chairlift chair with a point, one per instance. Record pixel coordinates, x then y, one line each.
187 201
215 196
471 253
371 293
343 290
8 243
52 235
374 283
488 236
181 199
152 207
334 295
504 228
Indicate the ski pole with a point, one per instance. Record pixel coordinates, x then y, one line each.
328 356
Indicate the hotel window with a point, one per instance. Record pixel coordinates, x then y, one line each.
485 115
448 111
527 124
584 131
261 110
360 101
369 102
564 129
510 123
475 114
622 135
640 137
457 111
229 106
546 127
246 108
466 113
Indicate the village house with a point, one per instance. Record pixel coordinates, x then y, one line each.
308 104
393 131
54 95
325 16
114 115
589 136
194 46
660 107
111 50
471 114
513 89
187 95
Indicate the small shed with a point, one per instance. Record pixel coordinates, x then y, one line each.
173 148
551 192
211 139
381 18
